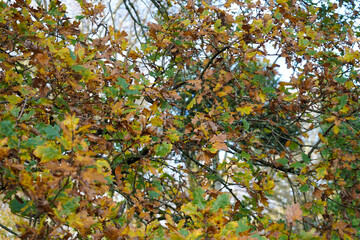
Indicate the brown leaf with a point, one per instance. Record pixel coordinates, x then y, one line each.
218 138
43 59
91 175
293 213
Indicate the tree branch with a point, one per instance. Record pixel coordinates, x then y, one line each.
268 164
319 141
9 230
212 60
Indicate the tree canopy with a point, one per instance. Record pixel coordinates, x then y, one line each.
228 119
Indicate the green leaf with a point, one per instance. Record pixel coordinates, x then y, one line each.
340 79
283 161
184 232
69 205
7 128
304 235
221 202
13 99
186 22
163 149
158 186
343 101
154 194
48 153
283 237
122 83
298 165
78 68
278 15
305 158
304 42
246 125
242 226
257 237
304 188
28 115
217 23
199 200
52 131
269 89
245 155
293 146
311 52
17 205
72 55
79 17
34 142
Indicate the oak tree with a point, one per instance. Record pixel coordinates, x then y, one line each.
190 132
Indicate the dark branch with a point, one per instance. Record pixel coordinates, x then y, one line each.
266 163
9 230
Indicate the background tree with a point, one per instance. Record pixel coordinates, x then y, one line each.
186 136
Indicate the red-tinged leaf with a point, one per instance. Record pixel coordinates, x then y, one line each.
293 213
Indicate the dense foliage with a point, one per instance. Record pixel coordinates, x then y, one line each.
192 135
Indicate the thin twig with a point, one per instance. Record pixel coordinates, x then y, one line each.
8 229
212 60
319 141
22 111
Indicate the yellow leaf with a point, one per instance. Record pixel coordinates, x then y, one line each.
186 22
3 141
330 119
83 128
81 221
118 107
262 97
345 109
244 110
13 99
291 97
217 87
145 139
191 104
181 223
221 94
336 129
71 122
157 121
169 219
195 234
110 128
349 84
26 179
322 138
350 118
100 164
177 237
